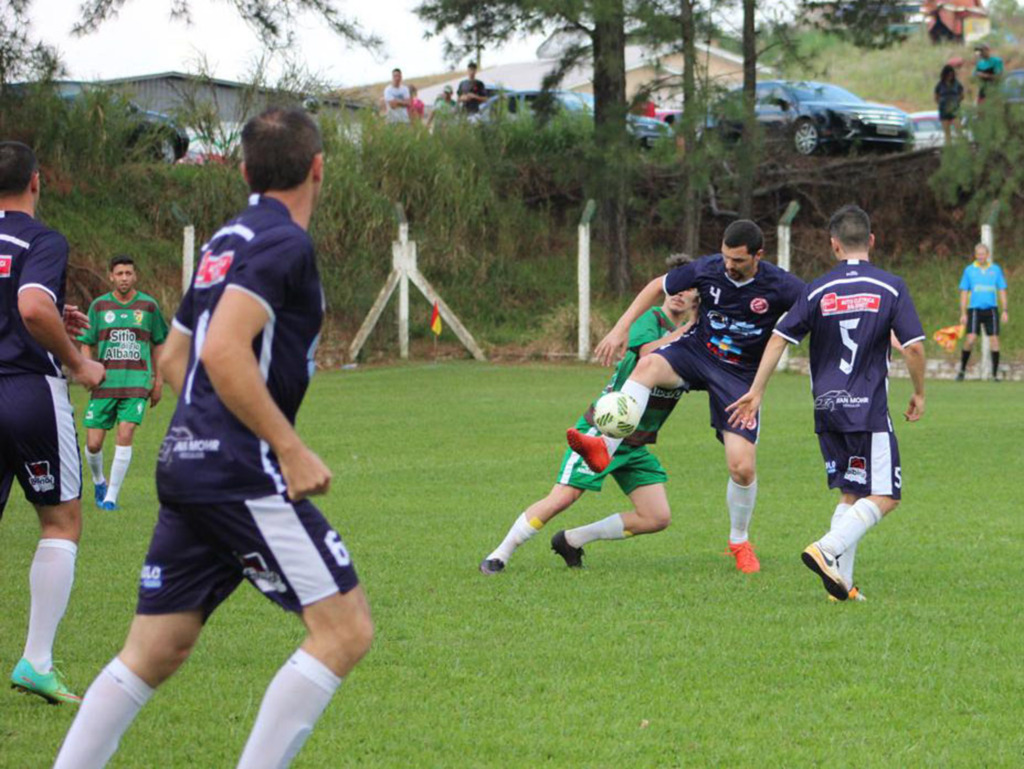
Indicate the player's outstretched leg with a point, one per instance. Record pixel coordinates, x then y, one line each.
597 450
593 448
532 520
824 556
156 647
50 580
340 634
740 498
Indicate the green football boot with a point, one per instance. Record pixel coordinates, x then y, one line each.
50 686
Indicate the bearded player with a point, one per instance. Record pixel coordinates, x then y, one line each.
741 298
637 471
126 331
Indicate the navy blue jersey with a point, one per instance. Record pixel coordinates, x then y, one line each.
208 455
31 255
851 313
736 319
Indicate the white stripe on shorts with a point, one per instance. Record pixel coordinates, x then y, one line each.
67 440
881 465
300 561
573 461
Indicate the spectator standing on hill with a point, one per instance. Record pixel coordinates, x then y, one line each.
396 99
981 282
949 93
471 91
988 69
444 107
415 105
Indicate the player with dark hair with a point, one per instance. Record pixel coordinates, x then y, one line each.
741 298
127 330
851 313
233 474
37 422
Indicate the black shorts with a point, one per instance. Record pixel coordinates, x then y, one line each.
200 553
987 319
862 463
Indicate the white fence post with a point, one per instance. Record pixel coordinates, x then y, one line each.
988 238
188 256
583 279
400 251
784 258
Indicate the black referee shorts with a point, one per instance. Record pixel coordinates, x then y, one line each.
987 319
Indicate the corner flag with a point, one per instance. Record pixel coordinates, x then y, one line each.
948 336
435 320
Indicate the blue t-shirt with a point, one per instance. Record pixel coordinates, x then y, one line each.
735 318
850 313
983 283
31 256
208 455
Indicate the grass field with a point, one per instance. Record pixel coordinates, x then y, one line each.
657 654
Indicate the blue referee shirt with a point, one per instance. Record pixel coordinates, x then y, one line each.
983 283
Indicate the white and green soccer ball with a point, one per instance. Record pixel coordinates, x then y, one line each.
617 414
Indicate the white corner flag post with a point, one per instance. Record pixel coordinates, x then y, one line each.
988 238
583 278
784 260
403 271
188 256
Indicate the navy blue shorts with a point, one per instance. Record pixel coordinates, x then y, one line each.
38 441
723 384
862 463
199 553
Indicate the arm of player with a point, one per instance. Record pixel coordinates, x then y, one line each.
613 346
75 321
744 410
670 337
913 355
45 324
234 372
172 360
157 391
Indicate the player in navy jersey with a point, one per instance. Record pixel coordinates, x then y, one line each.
741 298
233 475
39 444
851 313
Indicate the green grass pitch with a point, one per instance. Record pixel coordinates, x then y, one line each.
658 653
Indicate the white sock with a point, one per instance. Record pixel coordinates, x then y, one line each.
50 580
862 515
846 562
294 701
118 470
521 531
95 462
641 394
740 501
107 710
607 528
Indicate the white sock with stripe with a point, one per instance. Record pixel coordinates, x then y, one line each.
607 528
95 462
50 580
107 710
294 702
118 471
641 394
521 531
740 500
846 562
849 530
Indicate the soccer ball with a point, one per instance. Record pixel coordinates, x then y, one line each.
617 414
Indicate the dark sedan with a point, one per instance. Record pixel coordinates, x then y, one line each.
812 117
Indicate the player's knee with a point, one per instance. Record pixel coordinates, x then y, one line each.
63 521
659 520
346 637
742 471
95 445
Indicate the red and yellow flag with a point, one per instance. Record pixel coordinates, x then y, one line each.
435 320
948 336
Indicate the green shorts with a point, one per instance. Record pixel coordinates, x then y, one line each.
631 467
103 413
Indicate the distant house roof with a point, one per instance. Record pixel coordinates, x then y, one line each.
952 13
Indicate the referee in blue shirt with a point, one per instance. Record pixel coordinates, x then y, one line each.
981 283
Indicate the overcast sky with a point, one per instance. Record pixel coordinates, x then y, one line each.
143 40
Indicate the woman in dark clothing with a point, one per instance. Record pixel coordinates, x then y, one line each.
948 95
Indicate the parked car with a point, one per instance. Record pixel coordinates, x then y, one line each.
812 117
927 130
1012 86
646 130
166 140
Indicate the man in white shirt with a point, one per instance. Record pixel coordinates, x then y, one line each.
396 99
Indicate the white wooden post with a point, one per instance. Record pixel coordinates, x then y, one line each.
583 279
400 261
988 238
188 256
784 259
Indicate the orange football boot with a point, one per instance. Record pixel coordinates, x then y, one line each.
591 448
746 560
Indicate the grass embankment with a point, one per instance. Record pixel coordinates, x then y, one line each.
658 653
